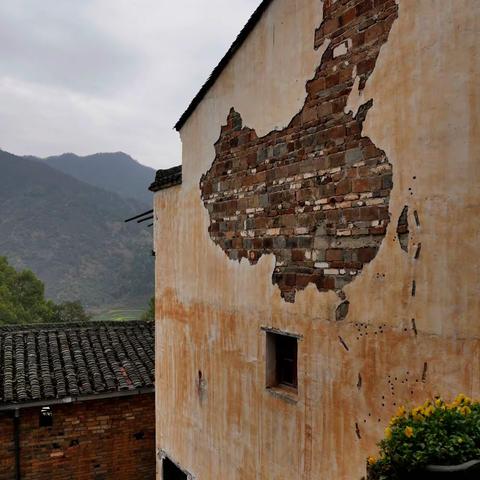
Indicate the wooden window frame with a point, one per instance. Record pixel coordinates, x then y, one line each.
281 350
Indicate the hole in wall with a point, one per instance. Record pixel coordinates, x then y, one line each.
417 219
402 229
170 471
417 251
342 341
342 311
414 327
357 431
424 373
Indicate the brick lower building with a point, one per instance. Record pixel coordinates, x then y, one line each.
77 402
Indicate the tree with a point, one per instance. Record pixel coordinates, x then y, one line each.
22 297
22 300
70 312
149 314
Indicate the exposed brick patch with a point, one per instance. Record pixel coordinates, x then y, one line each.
316 194
98 439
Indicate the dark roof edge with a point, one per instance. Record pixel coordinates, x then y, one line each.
76 399
242 36
167 178
26 327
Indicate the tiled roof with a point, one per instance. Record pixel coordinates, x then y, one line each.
48 362
167 178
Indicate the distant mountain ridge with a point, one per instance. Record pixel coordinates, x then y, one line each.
116 172
73 235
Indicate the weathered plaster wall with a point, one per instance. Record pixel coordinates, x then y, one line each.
404 347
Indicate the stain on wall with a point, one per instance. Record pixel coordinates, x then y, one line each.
211 311
315 194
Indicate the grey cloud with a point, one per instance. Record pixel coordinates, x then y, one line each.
107 75
53 42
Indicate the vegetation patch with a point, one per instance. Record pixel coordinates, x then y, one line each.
435 433
22 300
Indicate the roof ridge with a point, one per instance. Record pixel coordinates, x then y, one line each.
28 327
166 178
238 42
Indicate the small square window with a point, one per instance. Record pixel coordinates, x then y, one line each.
46 417
282 352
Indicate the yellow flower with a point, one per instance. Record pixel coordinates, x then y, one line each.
429 410
372 460
460 397
401 411
388 433
464 410
417 413
467 400
438 402
408 432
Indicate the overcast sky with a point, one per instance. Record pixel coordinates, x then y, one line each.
88 76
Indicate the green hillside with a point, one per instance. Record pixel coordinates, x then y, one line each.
72 236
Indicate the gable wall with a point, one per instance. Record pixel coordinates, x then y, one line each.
405 343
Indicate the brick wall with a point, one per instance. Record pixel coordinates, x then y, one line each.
315 194
94 440
7 459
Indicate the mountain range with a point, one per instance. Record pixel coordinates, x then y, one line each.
115 172
63 218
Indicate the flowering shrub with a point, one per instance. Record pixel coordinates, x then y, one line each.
435 433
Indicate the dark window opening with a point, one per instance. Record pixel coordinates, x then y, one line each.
46 417
171 471
282 352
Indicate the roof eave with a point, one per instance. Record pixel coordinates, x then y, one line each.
167 178
76 399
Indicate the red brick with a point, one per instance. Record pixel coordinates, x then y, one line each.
334 255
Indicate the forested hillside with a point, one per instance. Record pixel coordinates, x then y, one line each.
72 235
